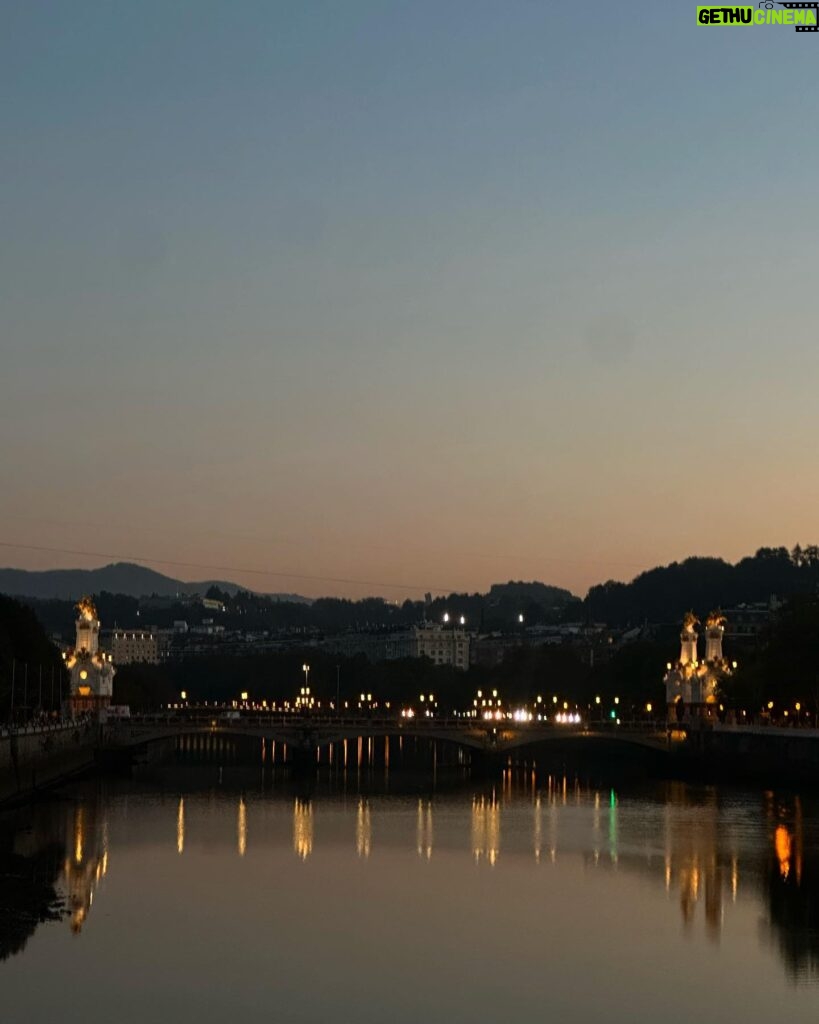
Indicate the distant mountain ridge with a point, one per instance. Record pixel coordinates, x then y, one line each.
116 578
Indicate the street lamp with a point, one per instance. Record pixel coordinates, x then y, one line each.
446 616
306 670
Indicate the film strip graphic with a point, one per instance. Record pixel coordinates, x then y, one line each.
798 7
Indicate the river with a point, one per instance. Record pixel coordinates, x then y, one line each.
197 890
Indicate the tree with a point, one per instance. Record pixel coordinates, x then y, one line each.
26 652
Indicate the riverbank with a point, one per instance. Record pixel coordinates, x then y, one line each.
33 758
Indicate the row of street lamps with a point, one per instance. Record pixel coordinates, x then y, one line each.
482 704
446 618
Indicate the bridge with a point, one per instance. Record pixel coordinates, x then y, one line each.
306 734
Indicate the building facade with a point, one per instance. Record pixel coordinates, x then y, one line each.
130 645
443 646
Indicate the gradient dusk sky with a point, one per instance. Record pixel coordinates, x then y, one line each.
420 294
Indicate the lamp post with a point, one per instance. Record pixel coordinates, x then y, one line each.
306 670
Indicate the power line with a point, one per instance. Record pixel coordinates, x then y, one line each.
228 568
498 556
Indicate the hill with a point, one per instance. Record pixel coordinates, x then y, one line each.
118 578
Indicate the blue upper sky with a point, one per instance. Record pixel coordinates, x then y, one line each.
422 294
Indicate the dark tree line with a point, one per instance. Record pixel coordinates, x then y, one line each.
785 669
664 593
29 662
497 610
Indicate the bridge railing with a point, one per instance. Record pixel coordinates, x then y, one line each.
43 728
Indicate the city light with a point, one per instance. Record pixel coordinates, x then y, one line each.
495 716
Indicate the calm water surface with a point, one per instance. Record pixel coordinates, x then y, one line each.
211 892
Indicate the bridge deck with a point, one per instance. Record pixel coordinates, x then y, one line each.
313 731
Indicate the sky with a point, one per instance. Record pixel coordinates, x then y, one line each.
388 297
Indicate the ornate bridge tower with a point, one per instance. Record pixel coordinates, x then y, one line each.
714 630
688 640
691 685
92 670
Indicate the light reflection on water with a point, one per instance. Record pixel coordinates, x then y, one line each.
580 886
